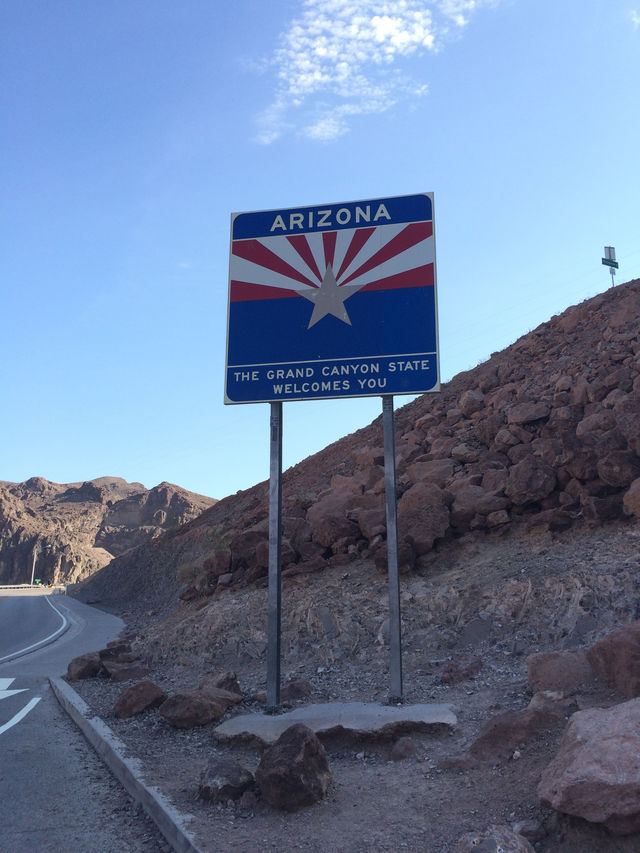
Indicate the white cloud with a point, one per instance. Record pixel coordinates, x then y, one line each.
635 18
342 58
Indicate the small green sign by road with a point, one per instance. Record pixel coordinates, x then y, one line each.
609 263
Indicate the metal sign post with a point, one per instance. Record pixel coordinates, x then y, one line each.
332 300
395 638
275 560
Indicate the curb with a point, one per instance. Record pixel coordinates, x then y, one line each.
111 750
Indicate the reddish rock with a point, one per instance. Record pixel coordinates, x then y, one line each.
583 465
599 421
421 526
525 413
470 402
114 650
296 689
294 772
601 509
461 668
631 498
616 659
474 500
84 666
288 553
550 519
627 416
224 680
494 480
502 734
465 453
218 694
530 481
328 529
596 772
421 495
188 709
372 522
367 457
244 544
224 779
487 425
297 530
120 671
140 697
505 439
560 670
498 519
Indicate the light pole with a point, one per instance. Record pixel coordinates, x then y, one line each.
33 563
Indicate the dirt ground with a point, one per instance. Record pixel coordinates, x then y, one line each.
498 598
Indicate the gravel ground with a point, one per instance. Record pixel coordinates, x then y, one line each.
498 599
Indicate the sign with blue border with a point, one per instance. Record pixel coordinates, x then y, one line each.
335 300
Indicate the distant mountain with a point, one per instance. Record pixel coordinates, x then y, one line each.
65 532
543 436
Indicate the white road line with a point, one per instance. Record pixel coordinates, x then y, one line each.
46 640
16 719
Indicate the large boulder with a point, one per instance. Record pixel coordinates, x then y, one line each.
436 471
559 670
190 708
530 481
616 659
140 697
124 670
619 468
421 526
474 500
294 772
84 666
596 772
527 412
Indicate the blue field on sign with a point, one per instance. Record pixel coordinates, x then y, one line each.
275 330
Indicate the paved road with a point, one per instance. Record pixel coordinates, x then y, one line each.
26 620
55 793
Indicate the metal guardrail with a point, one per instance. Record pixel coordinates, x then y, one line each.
56 589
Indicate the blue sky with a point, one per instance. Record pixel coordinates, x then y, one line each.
131 129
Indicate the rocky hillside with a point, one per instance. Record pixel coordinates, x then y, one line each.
542 436
519 518
63 533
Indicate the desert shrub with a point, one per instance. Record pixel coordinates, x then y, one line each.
188 572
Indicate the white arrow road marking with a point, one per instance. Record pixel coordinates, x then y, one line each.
4 693
4 684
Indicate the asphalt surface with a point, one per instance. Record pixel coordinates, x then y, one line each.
55 792
26 620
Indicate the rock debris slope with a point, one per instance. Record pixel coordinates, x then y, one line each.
541 437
